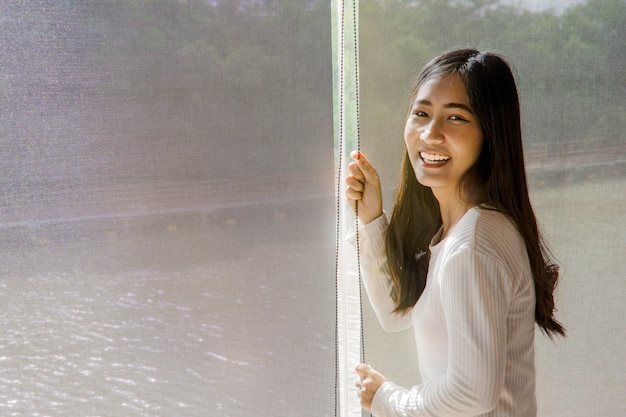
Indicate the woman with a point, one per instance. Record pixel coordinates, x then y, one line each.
461 259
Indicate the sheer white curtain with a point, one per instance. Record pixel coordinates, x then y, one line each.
572 85
166 209
167 214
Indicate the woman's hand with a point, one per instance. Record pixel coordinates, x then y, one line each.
370 381
364 187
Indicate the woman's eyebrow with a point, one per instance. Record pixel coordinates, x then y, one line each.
447 105
459 106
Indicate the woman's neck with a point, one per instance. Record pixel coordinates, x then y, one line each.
452 209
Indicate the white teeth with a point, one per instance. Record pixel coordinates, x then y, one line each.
433 157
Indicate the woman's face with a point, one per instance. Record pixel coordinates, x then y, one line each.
442 134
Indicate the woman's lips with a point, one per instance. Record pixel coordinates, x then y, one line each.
433 158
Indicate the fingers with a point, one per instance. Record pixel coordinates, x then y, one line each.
355 183
362 174
365 389
362 169
363 186
362 370
355 188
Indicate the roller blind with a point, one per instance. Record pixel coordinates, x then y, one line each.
571 81
167 208
167 212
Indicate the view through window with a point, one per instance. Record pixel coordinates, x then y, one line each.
167 207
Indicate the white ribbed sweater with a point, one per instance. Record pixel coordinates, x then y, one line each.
474 323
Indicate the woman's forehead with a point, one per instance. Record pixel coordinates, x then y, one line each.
444 89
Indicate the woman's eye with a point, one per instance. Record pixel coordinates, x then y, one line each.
457 118
420 114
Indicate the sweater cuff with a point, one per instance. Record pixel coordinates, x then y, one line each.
376 227
380 402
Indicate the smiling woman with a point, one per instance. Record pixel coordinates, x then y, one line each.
461 260
442 135
564 64
167 205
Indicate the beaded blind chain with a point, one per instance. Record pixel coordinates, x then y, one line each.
342 103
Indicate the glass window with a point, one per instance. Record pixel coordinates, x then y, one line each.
167 208
572 85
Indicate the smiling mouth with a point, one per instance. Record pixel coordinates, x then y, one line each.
434 158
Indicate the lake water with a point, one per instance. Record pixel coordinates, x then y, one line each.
233 315
172 318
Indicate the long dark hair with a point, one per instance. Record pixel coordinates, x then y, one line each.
497 180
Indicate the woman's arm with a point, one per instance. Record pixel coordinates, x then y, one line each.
475 295
376 275
364 195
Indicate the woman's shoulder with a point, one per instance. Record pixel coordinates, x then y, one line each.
496 234
488 230
489 237
491 220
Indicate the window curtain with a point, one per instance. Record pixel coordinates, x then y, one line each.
571 80
167 207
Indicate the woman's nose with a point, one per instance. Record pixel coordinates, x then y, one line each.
432 133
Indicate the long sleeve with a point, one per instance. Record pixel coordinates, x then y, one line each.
376 274
474 329
474 302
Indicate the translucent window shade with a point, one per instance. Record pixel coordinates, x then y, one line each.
167 211
572 87
167 208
